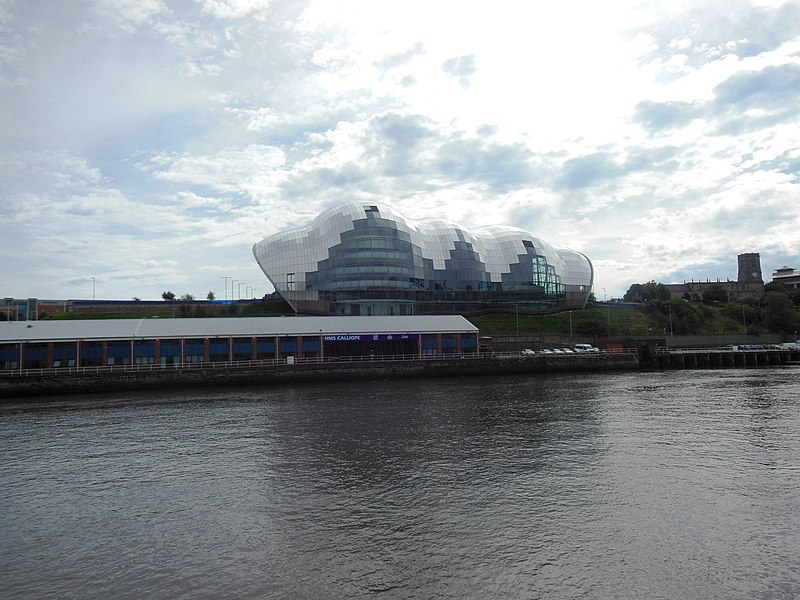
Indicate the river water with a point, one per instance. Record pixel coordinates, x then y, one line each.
682 484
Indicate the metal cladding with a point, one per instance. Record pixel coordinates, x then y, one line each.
367 259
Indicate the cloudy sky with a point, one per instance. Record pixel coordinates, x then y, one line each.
150 143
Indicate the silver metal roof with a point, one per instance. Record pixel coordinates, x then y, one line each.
110 329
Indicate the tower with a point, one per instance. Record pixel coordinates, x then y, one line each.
750 268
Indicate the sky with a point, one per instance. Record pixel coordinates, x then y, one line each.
146 145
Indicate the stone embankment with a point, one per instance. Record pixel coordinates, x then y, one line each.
83 380
44 382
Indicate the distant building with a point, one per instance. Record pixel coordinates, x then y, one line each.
368 259
787 276
749 283
29 309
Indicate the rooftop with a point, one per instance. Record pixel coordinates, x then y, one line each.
123 329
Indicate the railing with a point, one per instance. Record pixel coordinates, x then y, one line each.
290 361
722 350
235 364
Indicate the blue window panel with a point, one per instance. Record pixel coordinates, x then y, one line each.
218 347
310 345
119 351
194 348
65 352
145 349
265 347
430 342
288 345
242 348
35 353
170 349
89 351
9 354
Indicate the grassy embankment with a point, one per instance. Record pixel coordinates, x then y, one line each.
591 323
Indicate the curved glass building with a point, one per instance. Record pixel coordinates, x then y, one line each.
367 259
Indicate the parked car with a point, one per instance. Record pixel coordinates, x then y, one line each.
558 351
545 351
567 350
580 348
527 352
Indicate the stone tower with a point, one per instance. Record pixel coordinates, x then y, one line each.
750 268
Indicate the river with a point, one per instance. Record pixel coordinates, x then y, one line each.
679 484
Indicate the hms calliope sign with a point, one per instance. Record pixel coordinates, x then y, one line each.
383 337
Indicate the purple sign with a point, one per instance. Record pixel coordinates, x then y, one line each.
376 337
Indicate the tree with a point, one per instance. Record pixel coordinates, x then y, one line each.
651 290
187 298
715 294
210 296
779 315
137 299
168 295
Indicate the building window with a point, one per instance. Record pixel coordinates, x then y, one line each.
290 282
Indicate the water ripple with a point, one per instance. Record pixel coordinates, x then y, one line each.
663 485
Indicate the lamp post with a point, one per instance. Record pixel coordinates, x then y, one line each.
233 282
608 311
226 287
744 319
92 288
669 306
241 283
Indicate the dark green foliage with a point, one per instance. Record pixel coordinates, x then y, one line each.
779 314
715 294
590 326
651 290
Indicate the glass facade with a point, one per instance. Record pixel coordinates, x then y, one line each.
367 259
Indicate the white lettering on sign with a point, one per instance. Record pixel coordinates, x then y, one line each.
341 338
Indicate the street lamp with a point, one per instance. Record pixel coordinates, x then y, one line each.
608 311
241 283
744 319
92 288
233 282
226 287
669 306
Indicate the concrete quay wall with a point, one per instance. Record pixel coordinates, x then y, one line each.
85 381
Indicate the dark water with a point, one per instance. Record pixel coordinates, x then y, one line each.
666 485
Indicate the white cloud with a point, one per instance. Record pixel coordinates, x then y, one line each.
232 9
657 138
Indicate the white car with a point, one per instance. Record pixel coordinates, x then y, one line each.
545 351
527 352
581 348
558 351
567 350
